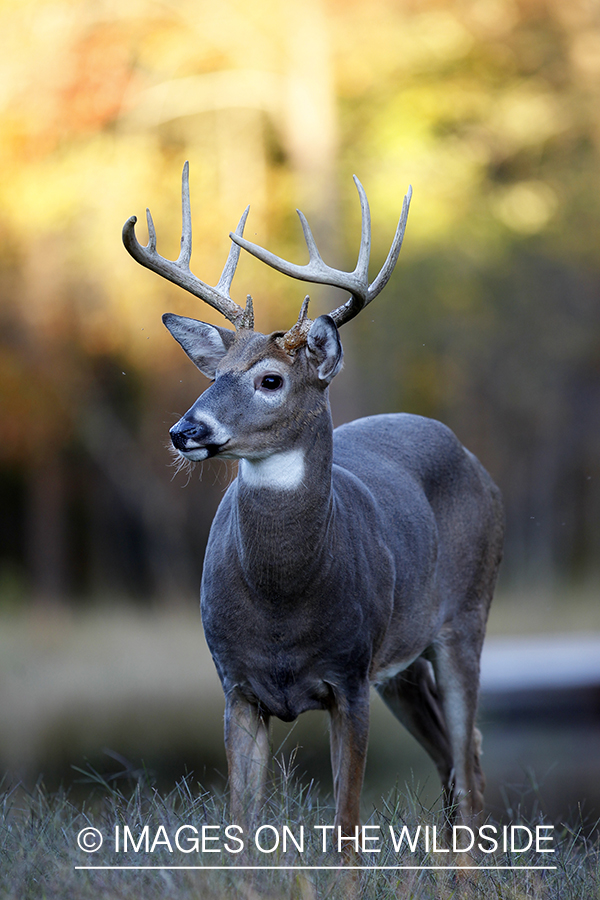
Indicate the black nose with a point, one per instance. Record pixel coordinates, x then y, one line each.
187 434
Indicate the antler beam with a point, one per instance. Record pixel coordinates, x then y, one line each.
317 271
178 271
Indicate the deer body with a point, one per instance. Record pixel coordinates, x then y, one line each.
316 589
337 559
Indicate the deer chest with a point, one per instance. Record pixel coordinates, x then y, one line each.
288 664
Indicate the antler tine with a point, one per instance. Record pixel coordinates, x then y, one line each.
392 258
317 271
178 271
224 283
185 254
351 308
364 253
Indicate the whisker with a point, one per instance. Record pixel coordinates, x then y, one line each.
180 463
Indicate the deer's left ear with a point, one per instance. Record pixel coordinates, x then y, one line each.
324 348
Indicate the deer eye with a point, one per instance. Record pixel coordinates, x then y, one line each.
271 382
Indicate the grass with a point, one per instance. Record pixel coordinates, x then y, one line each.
39 850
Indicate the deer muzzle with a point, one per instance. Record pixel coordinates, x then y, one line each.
195 440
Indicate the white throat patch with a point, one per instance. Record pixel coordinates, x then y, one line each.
281 471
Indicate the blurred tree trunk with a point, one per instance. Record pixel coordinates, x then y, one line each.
46 529
310 121
147 499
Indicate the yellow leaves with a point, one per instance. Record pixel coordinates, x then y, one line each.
526 115
375 42
435 38
35 199
526 206
491 18
585 55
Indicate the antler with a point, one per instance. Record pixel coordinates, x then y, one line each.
178 271
357 282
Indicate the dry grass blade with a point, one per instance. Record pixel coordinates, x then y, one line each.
39 851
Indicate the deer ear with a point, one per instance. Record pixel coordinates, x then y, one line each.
324 348
206 345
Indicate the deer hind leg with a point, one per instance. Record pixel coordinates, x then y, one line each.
456 666
247 745
413 698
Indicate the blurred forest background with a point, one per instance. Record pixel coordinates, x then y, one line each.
491 322
490 108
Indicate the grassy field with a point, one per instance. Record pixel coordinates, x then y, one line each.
39 852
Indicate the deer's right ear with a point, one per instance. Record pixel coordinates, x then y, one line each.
206 345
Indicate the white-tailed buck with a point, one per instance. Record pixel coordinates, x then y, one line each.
338 559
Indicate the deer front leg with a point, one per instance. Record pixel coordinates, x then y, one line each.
248 752
349 735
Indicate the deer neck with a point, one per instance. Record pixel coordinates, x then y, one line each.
284 505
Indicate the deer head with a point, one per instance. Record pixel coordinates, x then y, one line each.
310 351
